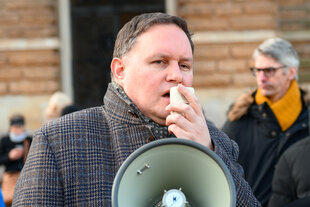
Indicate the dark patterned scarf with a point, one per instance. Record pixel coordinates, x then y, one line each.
158 131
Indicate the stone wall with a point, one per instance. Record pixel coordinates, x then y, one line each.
29 59
225 34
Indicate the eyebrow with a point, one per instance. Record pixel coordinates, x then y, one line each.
161 55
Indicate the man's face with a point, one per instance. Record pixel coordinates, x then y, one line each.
273 87
160 59
17 129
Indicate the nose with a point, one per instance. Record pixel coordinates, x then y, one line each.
261 75
174 73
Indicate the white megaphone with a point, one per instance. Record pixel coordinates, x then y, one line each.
173 173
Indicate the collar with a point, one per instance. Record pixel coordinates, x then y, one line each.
159 131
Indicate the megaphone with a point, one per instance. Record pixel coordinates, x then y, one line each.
173 173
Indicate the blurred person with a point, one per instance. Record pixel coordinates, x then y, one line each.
13 152
291 183
2 204
69 109
265 122
56 103
73 160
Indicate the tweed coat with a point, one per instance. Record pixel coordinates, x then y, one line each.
73 160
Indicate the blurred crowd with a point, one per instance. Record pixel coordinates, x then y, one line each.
15 145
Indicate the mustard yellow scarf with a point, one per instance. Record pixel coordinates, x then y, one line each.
287 109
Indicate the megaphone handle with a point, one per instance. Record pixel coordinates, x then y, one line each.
146 166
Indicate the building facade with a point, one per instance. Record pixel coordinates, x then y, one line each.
42 48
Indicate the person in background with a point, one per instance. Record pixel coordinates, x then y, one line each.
57 102
13 152
266 121
74 159
291 183
2 204
69 109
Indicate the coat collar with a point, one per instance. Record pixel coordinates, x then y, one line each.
240 107
122 109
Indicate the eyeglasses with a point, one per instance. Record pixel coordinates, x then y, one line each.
268 72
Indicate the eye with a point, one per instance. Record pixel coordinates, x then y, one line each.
185 66
158 61
270 70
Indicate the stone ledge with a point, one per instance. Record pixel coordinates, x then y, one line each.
247 36
29 44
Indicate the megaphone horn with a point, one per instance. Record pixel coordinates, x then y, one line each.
173 172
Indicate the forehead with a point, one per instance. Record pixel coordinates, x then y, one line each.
17 127
265 60
163 37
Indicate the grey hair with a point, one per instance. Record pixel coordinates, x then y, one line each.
281 51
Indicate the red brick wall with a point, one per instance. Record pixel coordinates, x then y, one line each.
226 64
30 75
217 64
28 71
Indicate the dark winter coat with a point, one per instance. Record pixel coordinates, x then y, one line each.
6 145
291 178
261 141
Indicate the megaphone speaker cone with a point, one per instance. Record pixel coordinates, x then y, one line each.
173 164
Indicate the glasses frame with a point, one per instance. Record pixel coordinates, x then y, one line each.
268 71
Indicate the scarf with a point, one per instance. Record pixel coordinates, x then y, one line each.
158 131
287 109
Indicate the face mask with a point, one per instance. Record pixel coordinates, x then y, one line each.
17 138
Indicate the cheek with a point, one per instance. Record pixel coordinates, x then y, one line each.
188 79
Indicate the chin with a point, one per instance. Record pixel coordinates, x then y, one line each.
266 92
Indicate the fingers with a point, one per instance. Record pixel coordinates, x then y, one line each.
176 121
191 98
187 120
189 110
196 130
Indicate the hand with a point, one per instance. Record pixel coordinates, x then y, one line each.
189 123
16 153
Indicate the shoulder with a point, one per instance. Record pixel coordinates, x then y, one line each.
305 95
5 139
90 119
240 107
299 147
295 154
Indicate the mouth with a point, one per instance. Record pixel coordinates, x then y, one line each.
265 86
167 95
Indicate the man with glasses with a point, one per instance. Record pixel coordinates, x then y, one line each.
265 122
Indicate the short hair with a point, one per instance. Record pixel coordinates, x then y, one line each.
56 103
281 51
127 36
17 120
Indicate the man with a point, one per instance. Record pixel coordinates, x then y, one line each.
74 159
13 152
267 121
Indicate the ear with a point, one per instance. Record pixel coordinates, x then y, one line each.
118 70
292 73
